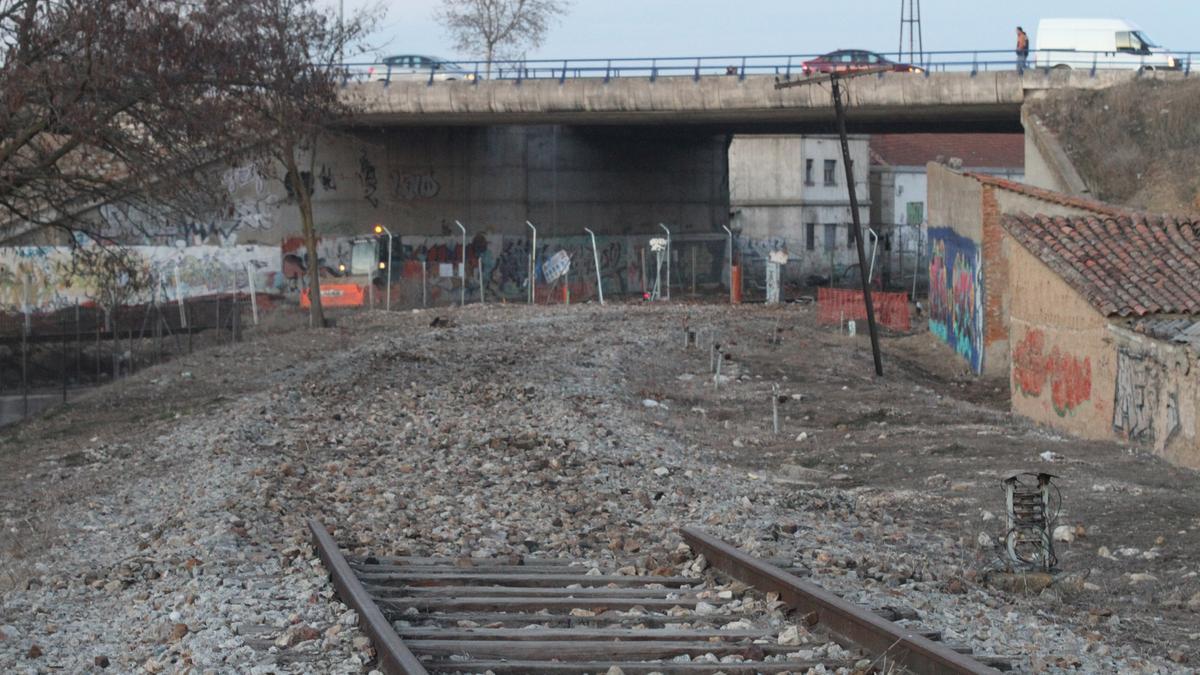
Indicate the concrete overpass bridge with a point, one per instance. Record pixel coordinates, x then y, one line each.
619 154
891 102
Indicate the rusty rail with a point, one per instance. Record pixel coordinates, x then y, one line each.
394 657
877 635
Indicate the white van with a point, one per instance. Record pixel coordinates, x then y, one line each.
1103 43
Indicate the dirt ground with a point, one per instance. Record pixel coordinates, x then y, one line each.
930 427
927 444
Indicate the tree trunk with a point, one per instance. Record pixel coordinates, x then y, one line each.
304 201
491 53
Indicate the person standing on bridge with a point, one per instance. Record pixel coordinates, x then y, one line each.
1022 49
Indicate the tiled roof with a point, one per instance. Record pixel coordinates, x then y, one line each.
1124 266
1052 196
1182 330
992 151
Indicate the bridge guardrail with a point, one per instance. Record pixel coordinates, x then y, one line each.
782 66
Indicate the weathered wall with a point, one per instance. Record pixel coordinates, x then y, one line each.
493 179
961 206
956 294
1157 396
774 198
1046 162
1063 361
51 277
956 284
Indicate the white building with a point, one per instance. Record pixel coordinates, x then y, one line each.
898 168
788 192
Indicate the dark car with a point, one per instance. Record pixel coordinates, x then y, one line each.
850 60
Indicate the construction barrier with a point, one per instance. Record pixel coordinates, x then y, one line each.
337 295
835 305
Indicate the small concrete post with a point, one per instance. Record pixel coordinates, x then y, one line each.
775 407
717 376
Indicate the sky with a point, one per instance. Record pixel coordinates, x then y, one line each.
646 28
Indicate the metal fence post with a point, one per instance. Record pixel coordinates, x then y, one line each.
462 272
729 233
532 265
596 257
254 292
664 227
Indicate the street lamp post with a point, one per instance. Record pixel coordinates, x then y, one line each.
382 229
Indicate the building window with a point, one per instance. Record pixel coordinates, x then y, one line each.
808 169
831 172
849 236
830 237
810 235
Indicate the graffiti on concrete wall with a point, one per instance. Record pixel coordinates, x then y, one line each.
368 179
51 277
249 206
1137 394
413 186
1069 378
956 294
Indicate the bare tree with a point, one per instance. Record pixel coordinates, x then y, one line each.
105 99
494 28
294 102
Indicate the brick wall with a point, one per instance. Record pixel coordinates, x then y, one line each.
995 281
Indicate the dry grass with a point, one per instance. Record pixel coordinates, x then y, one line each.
1136 144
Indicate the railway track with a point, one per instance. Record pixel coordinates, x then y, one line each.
555 616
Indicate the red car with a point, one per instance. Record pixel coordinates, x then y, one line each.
850 60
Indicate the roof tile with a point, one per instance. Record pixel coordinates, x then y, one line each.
1123 264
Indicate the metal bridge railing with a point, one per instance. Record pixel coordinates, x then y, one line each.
782 66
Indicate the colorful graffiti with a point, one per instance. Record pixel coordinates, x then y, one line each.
956 294
50 277
1069 377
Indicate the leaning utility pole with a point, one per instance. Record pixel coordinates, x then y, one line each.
835 79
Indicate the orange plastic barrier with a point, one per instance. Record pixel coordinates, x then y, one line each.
337 295
838 304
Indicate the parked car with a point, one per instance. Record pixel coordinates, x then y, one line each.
416 67
1105 43
850 60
